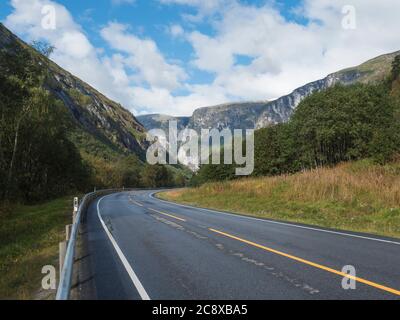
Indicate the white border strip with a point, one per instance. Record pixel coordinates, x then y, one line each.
151 195
136 282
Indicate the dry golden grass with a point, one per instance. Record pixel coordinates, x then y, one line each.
355 196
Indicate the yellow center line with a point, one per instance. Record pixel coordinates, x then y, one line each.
316 265
168 215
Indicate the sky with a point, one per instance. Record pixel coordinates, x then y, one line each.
174 56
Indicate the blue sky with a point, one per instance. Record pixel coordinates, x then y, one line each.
172 56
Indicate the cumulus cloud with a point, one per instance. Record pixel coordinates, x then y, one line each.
74 51
284 54
176 30
137 75
253 53
144 56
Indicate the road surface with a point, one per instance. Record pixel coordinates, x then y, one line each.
144 248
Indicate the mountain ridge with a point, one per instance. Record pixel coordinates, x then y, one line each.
104 123
257 115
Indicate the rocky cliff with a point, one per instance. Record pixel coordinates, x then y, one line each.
98 122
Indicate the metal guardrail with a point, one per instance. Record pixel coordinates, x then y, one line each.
66 273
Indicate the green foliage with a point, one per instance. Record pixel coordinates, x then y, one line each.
346 123
37 159
79 98
180 180
130 172
395 68
342 123
156 176
43 48
45 151
275 151
212 172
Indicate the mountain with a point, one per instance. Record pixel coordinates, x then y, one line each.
161 121
258 115
230 115
56 127
100 126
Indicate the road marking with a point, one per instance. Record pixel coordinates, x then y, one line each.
137 203
136 282
316 265
168 215
151 195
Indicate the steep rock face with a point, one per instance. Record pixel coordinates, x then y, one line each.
234 116
256 115
96 114
104 120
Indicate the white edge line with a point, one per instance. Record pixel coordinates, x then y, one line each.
275 222
138 285
137 203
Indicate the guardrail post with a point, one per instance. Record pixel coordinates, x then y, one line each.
63 251
68 229
76 206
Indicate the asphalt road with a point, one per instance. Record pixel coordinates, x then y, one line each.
144 248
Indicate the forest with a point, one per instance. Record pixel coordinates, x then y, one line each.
340 124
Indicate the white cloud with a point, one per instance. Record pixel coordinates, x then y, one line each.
176 30
74 52
144 56
287 55
282 55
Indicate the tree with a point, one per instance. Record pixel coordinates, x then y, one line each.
156 176
345 123
341 123
38 161
129 172
395 68
21 79
275 151
43 48
180 180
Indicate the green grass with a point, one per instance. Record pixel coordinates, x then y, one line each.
29 238
355 196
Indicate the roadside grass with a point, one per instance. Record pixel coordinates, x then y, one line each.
29 238
357 196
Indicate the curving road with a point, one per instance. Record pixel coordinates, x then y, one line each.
144 248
